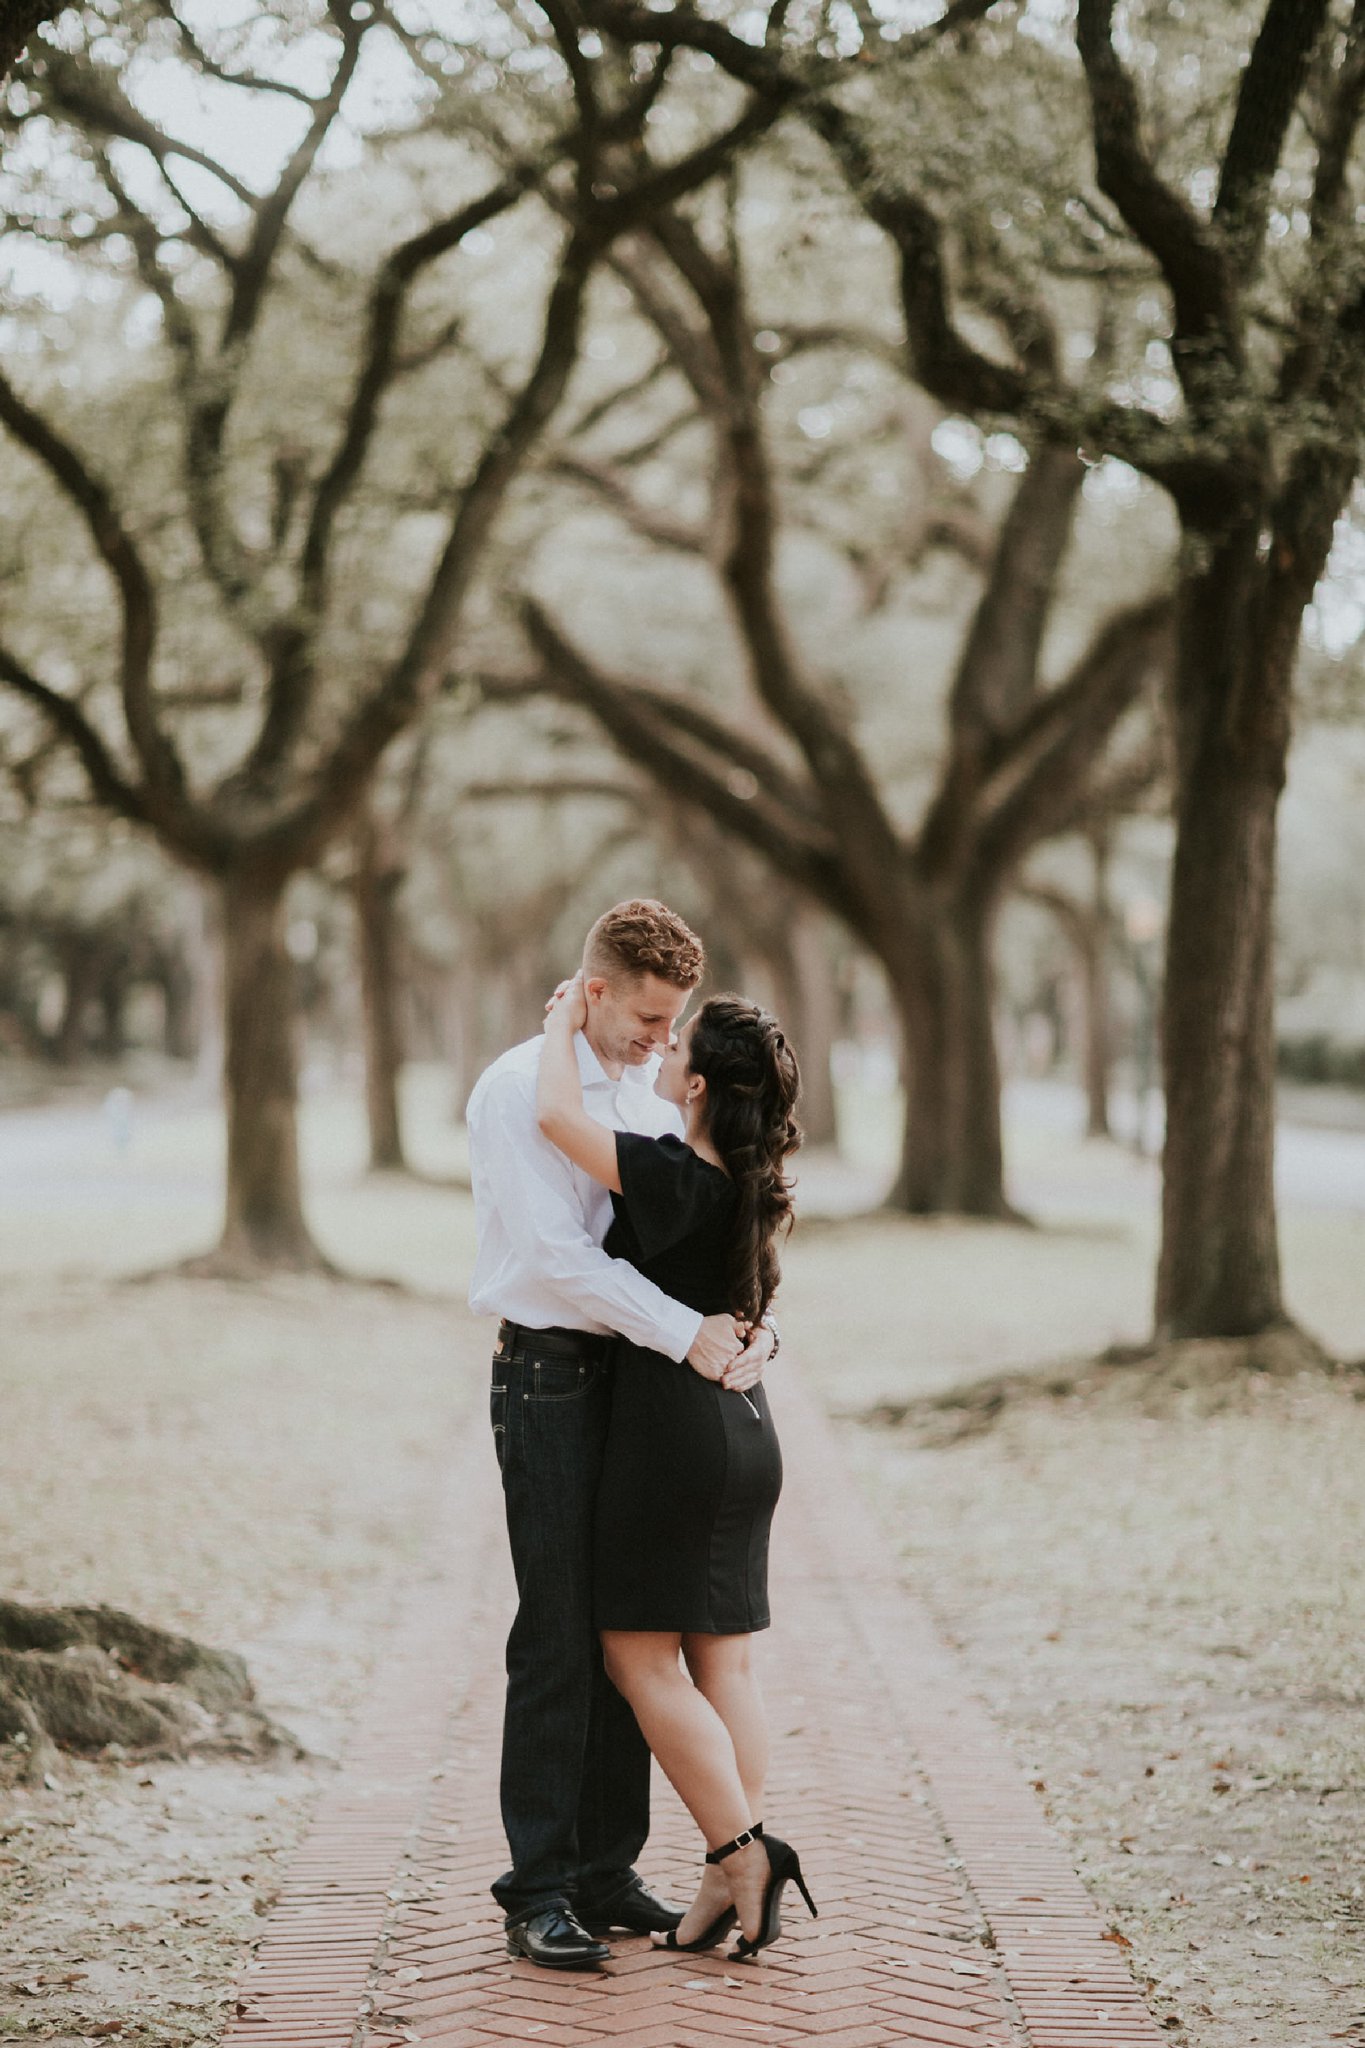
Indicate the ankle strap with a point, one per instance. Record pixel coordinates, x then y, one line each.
741 1841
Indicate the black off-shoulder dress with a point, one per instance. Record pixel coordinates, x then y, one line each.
692 1472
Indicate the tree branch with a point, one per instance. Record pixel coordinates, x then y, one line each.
607 484
96 102
1339 128
547 789
1271 84
252 81
1328 280
293 663
942 359
68 722
997 670
422 666
272 211
762 67
687 346
720 771
1055 745
1192 260
756 771
216 388
156 753
996 680
871 847
585 142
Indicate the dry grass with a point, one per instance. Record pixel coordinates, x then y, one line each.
251 1466
1166 1615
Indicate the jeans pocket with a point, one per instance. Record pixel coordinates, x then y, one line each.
497 1402
560 1379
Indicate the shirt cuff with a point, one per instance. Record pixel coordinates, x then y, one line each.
681 1331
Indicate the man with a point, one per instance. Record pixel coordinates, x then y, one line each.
575 1768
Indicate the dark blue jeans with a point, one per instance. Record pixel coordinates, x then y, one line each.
575 1767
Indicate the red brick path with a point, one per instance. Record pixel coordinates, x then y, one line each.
950 1916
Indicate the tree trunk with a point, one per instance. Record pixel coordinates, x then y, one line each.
952 1159
814 1015
375 883
264 1224
112 1040
180 1038
209 953
1219 1271
1094 959
82 960
790 959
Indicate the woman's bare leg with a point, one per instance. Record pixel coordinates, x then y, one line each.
722 1669
697 1756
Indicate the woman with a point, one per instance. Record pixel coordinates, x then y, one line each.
692 1470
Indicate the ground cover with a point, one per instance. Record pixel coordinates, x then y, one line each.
1164 1612
255 1470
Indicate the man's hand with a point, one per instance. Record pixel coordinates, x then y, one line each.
747 1370
719 1344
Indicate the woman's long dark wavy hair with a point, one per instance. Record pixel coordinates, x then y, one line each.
752 1087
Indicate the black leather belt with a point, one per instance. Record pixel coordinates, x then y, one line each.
554 1342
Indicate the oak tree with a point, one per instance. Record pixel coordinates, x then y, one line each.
246 517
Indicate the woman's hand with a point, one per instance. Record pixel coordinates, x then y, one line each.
718 1344
747 1370
568 1006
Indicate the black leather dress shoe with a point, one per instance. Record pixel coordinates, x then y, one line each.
557 1940
635 1908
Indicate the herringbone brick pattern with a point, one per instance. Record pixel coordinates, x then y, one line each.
949 1914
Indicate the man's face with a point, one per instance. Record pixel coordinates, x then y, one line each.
631 1019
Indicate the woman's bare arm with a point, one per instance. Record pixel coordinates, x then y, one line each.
559 1094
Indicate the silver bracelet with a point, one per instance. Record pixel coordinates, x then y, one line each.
770 1324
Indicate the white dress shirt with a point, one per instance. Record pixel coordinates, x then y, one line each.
541 1219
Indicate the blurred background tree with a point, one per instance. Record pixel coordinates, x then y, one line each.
924 451
799 774
1210 171
286 584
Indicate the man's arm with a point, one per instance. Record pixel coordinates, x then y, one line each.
532 1186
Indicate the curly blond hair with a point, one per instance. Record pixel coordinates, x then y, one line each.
643 937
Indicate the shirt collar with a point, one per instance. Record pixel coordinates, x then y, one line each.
590 1069
593 1075
645 1076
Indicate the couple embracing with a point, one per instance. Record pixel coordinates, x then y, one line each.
629 1190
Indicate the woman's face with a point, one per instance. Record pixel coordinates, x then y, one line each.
672 1077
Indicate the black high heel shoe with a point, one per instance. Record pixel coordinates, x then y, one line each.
718 1928
784 1867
